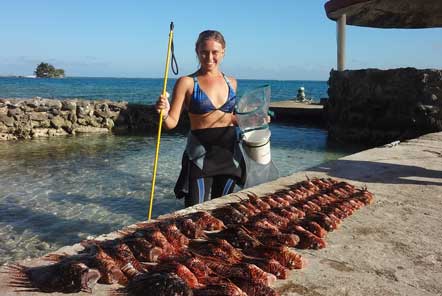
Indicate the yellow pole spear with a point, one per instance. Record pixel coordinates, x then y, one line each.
160 123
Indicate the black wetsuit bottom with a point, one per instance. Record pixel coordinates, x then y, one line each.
219 173
207 188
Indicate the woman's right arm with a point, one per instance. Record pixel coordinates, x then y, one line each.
172 111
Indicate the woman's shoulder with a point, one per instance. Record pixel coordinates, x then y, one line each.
185 81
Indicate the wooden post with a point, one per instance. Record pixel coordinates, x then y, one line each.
341 41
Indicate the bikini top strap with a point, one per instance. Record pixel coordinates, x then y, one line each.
195 84
227 80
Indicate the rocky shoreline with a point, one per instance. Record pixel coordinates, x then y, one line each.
37 117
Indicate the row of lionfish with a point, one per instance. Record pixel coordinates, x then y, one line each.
238 249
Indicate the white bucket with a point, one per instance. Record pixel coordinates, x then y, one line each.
257 145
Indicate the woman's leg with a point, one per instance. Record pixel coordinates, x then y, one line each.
222 185
199 191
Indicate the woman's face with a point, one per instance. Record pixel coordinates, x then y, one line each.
210 54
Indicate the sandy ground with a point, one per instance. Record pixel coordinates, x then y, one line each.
392 247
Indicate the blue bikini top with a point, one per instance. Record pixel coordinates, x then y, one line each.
201 104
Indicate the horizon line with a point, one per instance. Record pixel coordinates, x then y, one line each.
114 77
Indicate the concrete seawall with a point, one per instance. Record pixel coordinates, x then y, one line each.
391 247
39 117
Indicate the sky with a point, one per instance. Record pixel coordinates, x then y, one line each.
281 39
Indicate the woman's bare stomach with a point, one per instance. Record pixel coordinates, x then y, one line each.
210 120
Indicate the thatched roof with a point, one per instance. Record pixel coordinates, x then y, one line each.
410 14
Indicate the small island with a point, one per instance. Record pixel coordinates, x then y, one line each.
46 70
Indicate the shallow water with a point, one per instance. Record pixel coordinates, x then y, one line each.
58 191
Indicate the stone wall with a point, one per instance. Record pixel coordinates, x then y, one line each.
37 117
375 107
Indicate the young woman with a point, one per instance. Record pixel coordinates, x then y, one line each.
211 160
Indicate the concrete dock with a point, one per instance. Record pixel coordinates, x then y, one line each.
293 111
392 247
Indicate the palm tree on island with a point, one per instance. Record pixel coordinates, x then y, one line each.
45 70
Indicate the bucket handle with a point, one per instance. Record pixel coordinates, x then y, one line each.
265 126
257 146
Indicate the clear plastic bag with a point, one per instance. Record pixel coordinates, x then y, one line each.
252 109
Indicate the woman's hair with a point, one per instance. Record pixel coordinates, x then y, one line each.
209 34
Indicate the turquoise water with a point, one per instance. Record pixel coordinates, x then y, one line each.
58 191
137 90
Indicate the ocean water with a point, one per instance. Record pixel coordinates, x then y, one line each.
138 90
58 191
